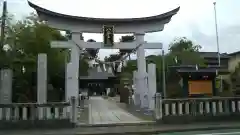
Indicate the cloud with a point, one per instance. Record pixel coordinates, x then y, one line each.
195 19
18 8
230 39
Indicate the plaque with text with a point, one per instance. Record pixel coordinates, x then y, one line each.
108 35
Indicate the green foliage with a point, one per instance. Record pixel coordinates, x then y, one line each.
122 52
92 52
182 48
186 53
183 44
26 39
235 79
131 66
128 38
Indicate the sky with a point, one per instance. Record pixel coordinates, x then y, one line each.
195 20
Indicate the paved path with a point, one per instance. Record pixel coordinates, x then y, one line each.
106 112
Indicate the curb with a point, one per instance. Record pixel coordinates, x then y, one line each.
137 131
158 131
147 123
194 129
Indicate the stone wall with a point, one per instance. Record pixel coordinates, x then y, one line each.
33 124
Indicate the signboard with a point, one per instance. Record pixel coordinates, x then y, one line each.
108 35
200 87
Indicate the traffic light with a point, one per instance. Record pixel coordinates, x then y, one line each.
108 35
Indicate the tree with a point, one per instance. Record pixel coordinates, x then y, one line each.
112 58
187 54
127 38
235 79
26 40
122 52
93 52
30 38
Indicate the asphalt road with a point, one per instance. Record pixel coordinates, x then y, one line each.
207 132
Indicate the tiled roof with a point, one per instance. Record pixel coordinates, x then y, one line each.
160 17
93 74
234 53
213 55
192 69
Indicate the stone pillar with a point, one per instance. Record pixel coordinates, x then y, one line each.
75 54
141 75
108 91
73 114
68 82
75 57
158 106
42 83
6 86
130 97
42 78
136 91
71 82
70 90
152 85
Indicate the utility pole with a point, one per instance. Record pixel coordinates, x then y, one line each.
217 40
164 75
216 28
4 17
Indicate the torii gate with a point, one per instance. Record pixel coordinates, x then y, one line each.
79 25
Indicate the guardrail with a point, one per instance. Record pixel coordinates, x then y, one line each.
196 108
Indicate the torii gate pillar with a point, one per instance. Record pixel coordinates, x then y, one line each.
73 81
138 26
141 81
72 69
